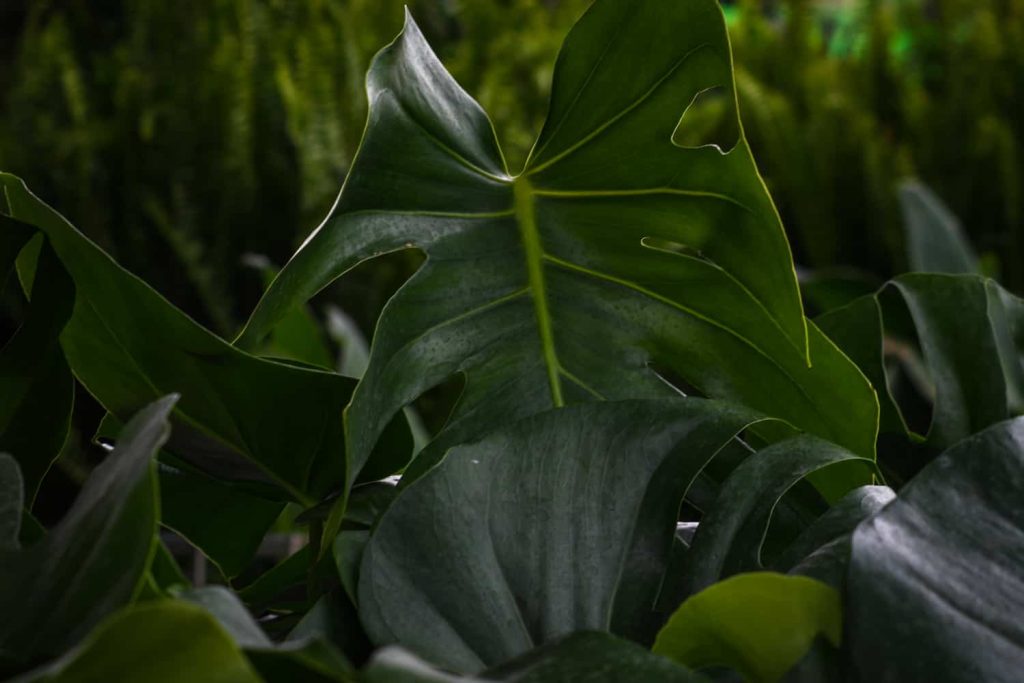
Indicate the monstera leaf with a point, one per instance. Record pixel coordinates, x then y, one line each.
617 251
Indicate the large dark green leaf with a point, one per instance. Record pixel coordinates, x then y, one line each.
586 657
935 590
615 249
93 561
239 416
560 522
157 642
36 387
758 624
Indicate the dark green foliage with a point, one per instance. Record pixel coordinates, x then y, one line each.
625 319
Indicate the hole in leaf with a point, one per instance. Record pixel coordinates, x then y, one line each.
709 121
909 380
435 406
362 292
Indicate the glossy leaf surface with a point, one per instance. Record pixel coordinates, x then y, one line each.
936 580
614 250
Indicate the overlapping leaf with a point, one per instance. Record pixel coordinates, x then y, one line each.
936 580
90 564
969 335
585 657
558 523
616 249
239 417
759 624
36 387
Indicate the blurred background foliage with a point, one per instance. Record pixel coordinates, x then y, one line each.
183 135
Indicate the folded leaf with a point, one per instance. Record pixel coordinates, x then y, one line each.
731 534
967 329
935 590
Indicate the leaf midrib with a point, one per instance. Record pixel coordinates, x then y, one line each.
526 219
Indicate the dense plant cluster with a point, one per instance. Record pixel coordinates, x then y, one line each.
658 468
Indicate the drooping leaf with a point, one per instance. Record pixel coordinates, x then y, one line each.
239 417
857 328
758 624
36 387
935 239
558 523
616 249
165 641
936 579
966 331
585 657
731 534
93 561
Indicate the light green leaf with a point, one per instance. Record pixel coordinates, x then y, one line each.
758 624
156 642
